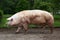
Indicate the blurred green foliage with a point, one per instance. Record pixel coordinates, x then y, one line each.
13 6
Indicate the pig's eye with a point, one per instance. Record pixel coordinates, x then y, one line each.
11 19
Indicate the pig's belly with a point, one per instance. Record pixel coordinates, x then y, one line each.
38 20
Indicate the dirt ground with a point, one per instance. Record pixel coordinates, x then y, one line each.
32 34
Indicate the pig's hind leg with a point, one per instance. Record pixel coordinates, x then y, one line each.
25 26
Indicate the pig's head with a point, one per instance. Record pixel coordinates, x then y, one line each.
12 22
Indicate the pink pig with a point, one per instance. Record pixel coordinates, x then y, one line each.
26 17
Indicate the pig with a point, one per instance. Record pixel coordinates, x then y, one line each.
26 17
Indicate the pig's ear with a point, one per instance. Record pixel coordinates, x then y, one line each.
8 19
11 19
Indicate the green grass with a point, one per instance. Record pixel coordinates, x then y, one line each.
56 17
3 23
56 22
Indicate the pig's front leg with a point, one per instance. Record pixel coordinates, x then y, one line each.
17 31
25 26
